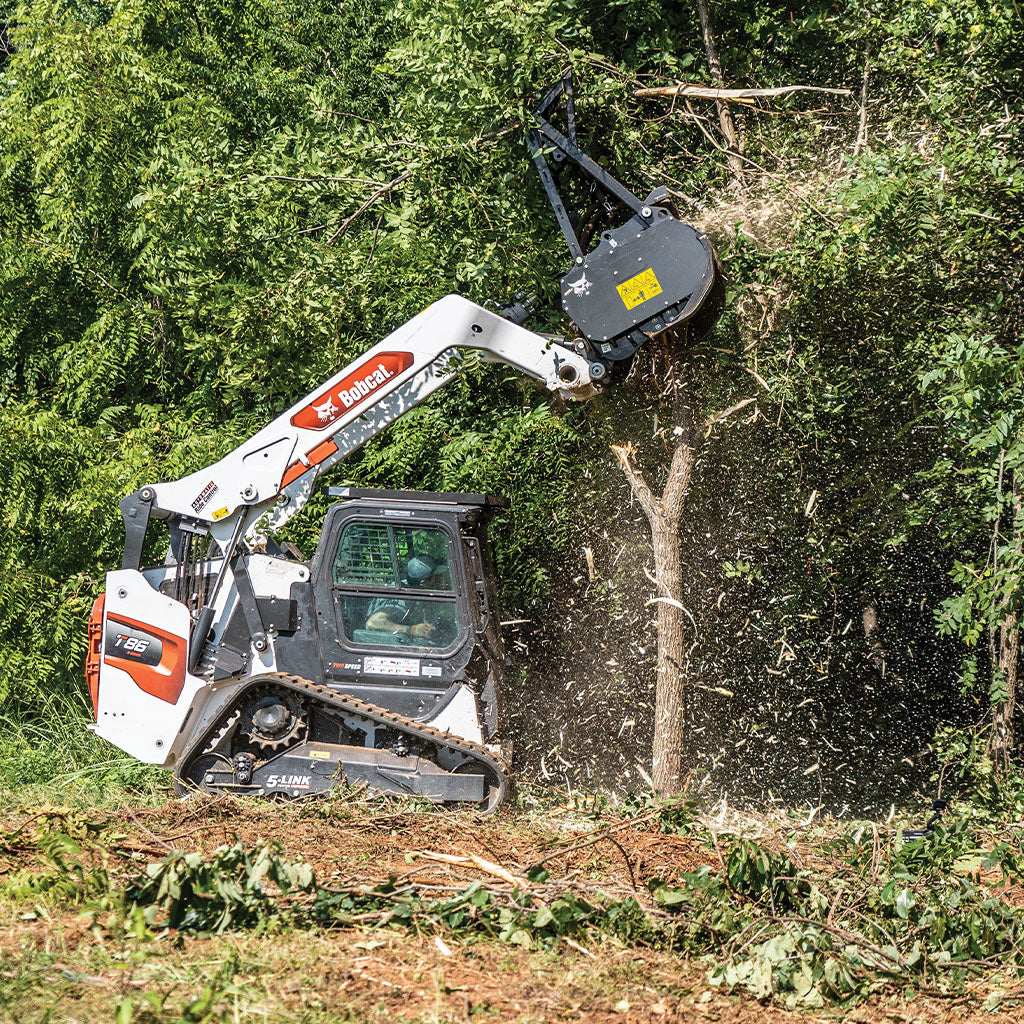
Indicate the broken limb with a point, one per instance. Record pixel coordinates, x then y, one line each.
702 92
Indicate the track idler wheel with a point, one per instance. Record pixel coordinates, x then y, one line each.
494 785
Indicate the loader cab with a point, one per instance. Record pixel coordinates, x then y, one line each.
402 591
394 584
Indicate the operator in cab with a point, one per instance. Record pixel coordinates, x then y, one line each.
413 618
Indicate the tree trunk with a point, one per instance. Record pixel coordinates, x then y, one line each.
669 700
1001 740
724 114
665 516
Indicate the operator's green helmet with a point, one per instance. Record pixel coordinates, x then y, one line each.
420 568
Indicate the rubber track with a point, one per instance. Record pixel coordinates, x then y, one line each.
362 709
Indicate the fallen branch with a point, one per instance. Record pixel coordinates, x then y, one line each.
702 92
472 859
726 413
598 835
572 944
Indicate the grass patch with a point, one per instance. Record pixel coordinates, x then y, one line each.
52 755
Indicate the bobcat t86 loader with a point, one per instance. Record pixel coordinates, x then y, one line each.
379 661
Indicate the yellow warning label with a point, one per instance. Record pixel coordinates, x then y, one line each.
220 513
320 755
639 289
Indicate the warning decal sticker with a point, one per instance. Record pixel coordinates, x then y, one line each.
639 289
392 666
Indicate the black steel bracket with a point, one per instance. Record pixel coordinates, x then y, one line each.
204 618
247 599
135 511
546 138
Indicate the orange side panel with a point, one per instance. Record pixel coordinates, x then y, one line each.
321 451
293 472
94 655
164 680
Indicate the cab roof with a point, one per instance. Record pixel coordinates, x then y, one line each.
431 499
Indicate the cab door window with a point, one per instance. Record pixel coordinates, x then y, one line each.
396 585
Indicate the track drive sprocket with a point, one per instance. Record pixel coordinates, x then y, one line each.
274 718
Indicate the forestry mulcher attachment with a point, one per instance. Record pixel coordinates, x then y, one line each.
379 661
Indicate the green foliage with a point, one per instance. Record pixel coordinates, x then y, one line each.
75 865
808 937
236 889
191 241
241 889
966 768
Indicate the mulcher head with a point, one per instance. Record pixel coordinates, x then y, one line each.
651 274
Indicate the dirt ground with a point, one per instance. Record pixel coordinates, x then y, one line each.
56 967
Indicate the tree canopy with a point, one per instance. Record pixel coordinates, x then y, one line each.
207 208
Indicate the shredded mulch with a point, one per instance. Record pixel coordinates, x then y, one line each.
368 844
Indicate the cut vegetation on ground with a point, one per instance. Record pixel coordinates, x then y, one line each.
216 910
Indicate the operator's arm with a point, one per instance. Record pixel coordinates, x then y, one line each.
382 622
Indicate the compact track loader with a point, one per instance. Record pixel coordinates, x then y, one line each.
248 669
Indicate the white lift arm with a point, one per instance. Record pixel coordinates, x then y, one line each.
278 466
275 469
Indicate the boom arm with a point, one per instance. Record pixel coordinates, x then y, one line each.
273 472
